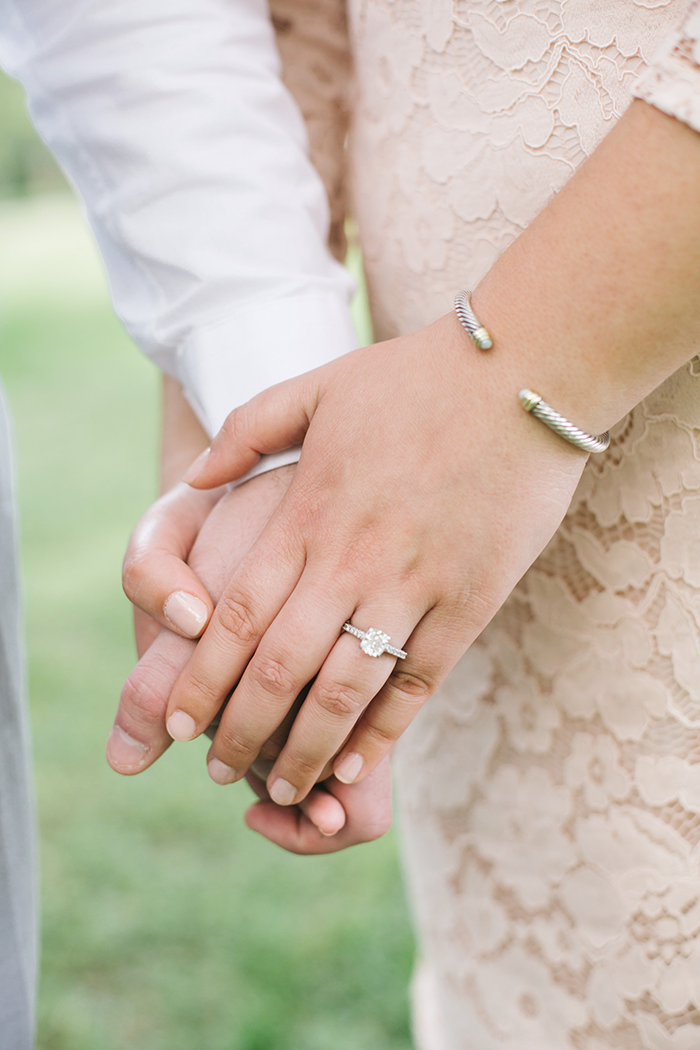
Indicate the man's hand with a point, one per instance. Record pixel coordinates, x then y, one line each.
299 829
216 533
332 816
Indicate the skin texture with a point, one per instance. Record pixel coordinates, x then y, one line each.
424 492
155 563
347 814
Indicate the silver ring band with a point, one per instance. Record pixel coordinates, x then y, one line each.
533 403
477 333
374 642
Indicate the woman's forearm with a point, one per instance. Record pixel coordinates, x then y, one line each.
598 301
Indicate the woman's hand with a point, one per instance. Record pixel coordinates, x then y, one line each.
424 492
422 495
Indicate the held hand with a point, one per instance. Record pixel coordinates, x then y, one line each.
156 577
139 736
422 495
298 829
180 523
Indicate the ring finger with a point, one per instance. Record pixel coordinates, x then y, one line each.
294 647
353 673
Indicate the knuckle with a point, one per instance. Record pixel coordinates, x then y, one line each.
382 736
143 699
303 768
133 576
236 618
272 676
340 701
231 743
412 687
235 426
199 688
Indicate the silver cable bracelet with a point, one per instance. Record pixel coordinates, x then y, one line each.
477 333
534 404
530 401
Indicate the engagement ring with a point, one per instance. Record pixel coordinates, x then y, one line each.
374 642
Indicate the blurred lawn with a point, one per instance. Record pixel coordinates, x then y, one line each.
167 925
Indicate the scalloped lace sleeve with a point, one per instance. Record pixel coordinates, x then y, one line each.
672 81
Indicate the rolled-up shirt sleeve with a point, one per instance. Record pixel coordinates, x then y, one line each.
171 120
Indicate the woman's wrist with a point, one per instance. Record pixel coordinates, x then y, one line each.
597 302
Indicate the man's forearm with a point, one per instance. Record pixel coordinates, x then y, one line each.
182 435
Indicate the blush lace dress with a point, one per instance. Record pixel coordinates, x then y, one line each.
550 792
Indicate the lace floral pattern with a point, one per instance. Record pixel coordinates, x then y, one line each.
312 41
551 790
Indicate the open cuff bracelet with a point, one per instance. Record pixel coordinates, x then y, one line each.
530 401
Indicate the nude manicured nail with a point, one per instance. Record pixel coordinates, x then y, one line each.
220 773
124 751
197 467
181 726
349 768
282 792
187 613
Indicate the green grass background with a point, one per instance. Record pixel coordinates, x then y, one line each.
167 925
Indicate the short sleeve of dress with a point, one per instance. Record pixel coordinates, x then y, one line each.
672 80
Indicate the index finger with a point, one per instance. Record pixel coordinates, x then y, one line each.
250 601
138 736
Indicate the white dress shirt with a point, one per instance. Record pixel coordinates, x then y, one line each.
171 119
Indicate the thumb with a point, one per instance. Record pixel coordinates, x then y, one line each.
156 577
275 419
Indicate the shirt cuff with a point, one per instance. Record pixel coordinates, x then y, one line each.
224 365
271 462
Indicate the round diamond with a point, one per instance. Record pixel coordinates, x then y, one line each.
374 642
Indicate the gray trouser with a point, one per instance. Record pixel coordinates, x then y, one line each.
18 923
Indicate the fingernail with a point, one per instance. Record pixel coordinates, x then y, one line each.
181 726
197 467
282 792
124 751
220 773
187 613
349 768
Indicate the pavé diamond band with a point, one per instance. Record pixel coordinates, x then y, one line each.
374 642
